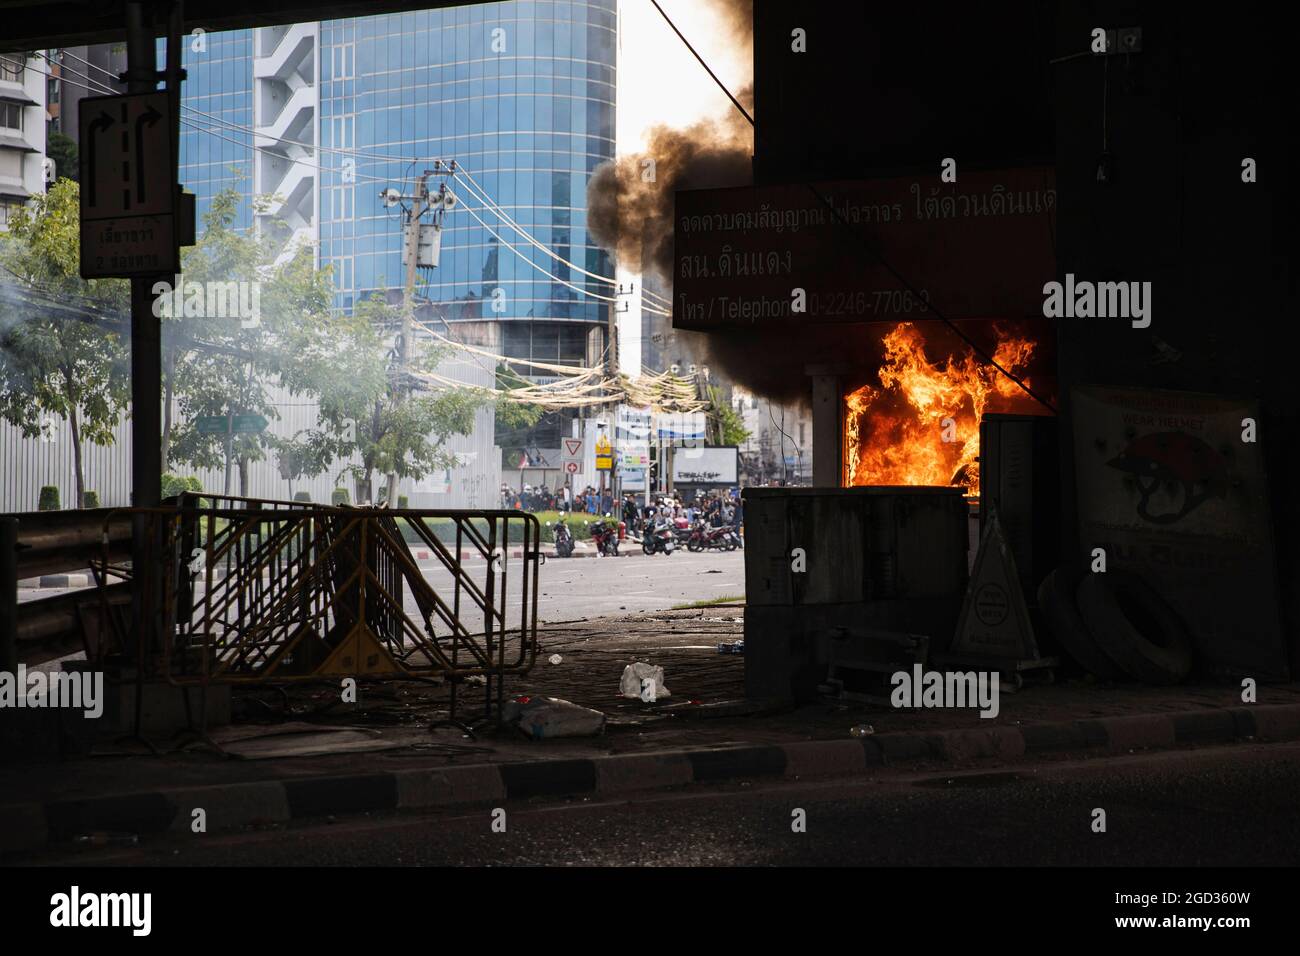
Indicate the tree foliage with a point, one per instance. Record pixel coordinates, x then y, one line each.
63 357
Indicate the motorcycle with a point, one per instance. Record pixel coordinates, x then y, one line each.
604 534
661 538
704 538
682 531
563 540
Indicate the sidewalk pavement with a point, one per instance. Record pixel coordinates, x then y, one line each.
703 733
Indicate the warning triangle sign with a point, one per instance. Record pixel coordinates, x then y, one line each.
573 447
994 621
360 653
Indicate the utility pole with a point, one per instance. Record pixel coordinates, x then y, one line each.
420 203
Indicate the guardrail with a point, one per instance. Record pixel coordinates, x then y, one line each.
37 543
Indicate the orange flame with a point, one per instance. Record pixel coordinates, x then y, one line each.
921 425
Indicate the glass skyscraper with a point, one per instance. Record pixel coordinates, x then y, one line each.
520 94
220 84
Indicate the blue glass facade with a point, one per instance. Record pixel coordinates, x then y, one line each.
521 95
219 83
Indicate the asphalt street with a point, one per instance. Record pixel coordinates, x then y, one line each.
576 588
1215 806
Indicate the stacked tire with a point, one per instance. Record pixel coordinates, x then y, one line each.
1116 626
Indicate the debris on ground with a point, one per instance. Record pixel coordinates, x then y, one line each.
555 659
731 647
633 683
861 730
547 717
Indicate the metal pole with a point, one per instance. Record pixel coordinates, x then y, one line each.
9 595
229 443
146 359
419 204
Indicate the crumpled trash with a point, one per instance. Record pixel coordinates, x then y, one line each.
545 717
861 730
643 680
555 658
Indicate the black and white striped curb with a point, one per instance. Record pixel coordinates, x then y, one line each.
30 825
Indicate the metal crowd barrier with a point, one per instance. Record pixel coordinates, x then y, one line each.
252 591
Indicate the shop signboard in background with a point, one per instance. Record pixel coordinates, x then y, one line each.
710 467
1169 490
683 430
632 438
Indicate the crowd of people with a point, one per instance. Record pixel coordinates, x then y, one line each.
716 508
541 498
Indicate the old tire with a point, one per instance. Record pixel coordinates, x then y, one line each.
1136 627
1056 598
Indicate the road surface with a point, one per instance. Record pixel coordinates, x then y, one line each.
1215 806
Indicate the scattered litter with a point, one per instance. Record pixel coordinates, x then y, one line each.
476 679
635 678
106 839
545 717
555 659
862 730
732 647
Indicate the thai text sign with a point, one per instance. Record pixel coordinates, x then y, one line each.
979 248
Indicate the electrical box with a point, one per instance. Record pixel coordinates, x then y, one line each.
429 247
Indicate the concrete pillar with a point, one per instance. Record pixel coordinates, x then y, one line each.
826 412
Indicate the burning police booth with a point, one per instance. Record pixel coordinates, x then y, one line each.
946 243
915 315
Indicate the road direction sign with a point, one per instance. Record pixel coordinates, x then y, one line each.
128 187
571 451
239 424
248 424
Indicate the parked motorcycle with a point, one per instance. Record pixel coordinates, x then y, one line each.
705 538
682 530
604 534
563 540
662 538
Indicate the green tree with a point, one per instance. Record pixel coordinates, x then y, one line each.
63 150
513 419
726 425
217 366
365 413
63 357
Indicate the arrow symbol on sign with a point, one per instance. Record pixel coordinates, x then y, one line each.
100 123
151 118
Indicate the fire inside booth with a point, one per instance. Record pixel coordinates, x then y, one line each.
912 310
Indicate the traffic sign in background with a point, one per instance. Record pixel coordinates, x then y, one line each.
239 424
